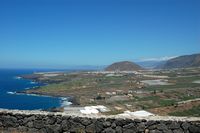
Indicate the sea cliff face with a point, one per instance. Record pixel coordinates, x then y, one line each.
46 122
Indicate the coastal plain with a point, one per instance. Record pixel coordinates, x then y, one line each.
174 92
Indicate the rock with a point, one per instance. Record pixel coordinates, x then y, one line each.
155 131
59 120
174 125
65 125
9 121
113 125
22 129
76 127
106 124
111 120
141 127
152 127
146 131
130 128
53 129
90 128
38 124
19 116
143 120
85 121
51 120
120 122
178 131
30 124
194 129
150 123
66 117
185 125
161 127
137 120
27 119
98 126
42 130
118 129
109 130
167 131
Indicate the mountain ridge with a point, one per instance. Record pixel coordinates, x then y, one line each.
184 61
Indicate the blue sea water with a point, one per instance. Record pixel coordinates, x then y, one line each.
9 83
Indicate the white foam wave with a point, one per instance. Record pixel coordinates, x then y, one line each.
35 95
32 82
65 102
18 77
11 93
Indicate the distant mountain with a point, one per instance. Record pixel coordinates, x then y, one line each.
123 66
182 62
150 64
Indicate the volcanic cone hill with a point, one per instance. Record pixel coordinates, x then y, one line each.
123 66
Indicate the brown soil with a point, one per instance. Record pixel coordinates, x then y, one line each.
166 110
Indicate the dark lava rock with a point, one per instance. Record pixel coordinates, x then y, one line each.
120 122
194 129
137 120
161 127
9 121
30 124
90 128
99 126
113 125
174 125
51 120
155 131
130 128
141 127
38 124
152 127
185 125
65 125
109 130
53 129
76 127
106 124
59 120
178 131
118 129
85 121
150 123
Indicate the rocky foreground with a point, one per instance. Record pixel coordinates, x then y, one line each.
46 122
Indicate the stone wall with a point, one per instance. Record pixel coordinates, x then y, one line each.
44 122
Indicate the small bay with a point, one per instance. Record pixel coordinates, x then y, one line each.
10 82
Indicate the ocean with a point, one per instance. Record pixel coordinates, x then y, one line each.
10 83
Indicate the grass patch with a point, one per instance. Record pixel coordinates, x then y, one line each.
167 102
185 98
195 112
148 98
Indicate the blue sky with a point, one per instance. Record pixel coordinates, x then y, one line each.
59 33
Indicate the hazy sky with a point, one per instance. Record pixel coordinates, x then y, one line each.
57 33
